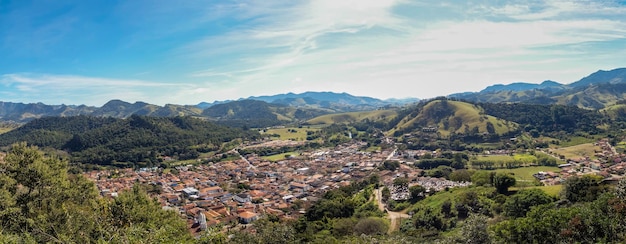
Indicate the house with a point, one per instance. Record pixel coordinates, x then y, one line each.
299 186
247 217
242 198
191 192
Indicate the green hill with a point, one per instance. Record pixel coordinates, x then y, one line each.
452 117
351 117
137 140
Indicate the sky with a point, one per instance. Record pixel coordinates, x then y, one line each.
186 52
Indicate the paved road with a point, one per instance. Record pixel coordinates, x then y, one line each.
395 217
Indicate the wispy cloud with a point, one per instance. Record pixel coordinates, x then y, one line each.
56 89
343 44
204 51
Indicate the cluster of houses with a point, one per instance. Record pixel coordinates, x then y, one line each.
606 162
233 192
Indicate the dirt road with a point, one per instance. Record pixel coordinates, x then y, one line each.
395 217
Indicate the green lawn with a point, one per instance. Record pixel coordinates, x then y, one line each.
577 140
435 201
282 156
524 175
554 190
578 151
297 134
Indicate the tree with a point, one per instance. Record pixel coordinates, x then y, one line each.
502 182
474 230
520 203
385 194
41 202
583 189
417 192
371 226
401 182
482 178
461 175
446 208
620 189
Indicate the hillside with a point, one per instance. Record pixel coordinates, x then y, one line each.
452 117
596 91
351 117
125 142
253 113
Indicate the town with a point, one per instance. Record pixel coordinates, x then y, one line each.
242 190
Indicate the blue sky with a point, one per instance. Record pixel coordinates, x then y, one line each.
186 52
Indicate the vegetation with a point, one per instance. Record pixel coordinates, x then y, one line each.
137 141
353 117
40 202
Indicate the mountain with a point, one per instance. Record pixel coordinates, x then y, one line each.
521 86
340 102
447 117
612 77
121 109
20 112
255 113
595 91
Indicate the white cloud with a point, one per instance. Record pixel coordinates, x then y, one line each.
70 89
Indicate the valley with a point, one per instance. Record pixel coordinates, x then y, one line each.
305 170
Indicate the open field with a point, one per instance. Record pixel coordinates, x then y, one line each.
353 117
435 201
554 190
577 140
297 134
578 151
501 160
278 157
526 173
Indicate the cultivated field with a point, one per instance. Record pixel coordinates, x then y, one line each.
297 134
578 151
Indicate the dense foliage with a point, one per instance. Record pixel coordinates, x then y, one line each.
137 140
40 202
546 118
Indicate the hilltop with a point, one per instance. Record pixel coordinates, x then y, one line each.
447 117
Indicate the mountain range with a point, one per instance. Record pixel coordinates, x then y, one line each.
271 109
596 91
599 90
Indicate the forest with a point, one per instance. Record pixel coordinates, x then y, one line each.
137 141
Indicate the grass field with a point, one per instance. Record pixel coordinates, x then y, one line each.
582 150
5 129
526 173
554 190
577 140
435 201
289 134
353 117
278 157
501 160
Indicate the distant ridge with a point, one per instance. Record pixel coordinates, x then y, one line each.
596 91
331 100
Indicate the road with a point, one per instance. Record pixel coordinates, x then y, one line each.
391 154
395 217
251 166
